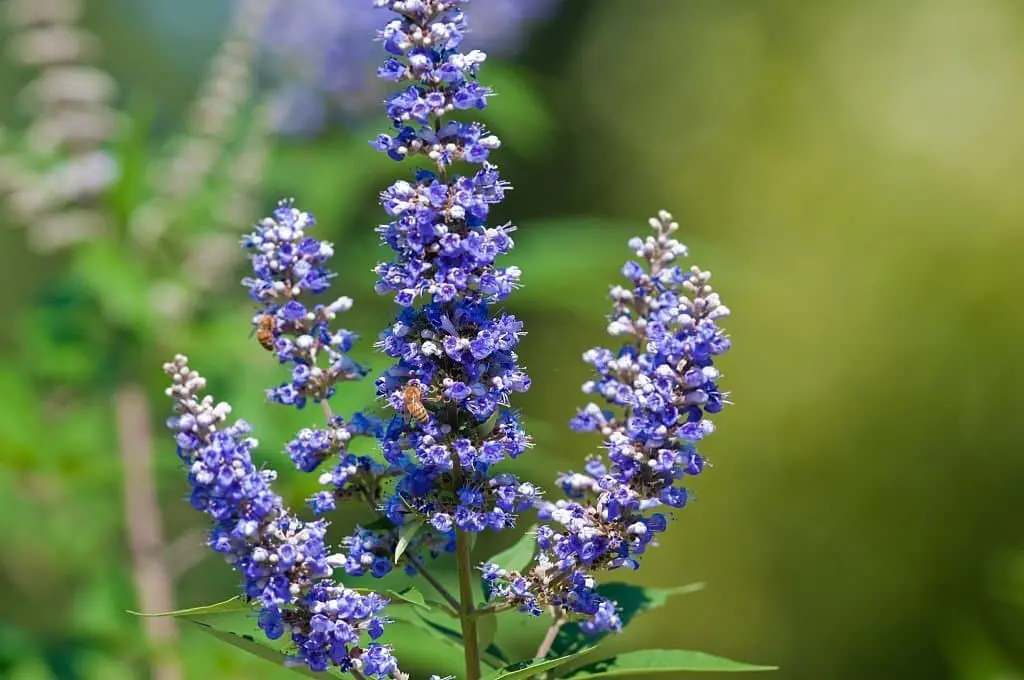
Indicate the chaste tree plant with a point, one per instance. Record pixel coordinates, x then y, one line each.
437 476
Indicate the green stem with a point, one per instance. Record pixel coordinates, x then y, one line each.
466 611
438 586
496 608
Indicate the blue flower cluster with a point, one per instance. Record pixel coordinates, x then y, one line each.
320 49
283 560
664 382
288 266
454 356
454 371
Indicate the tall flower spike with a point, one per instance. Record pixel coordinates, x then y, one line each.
665 386
283 560
454 355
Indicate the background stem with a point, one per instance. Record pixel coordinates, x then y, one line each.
145 532
549 638
469 637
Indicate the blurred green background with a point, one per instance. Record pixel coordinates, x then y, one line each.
851 171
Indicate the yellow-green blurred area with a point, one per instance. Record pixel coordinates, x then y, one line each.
852 173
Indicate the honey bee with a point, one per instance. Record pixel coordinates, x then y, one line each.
265 328
412 395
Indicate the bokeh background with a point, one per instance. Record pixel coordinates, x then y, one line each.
851 171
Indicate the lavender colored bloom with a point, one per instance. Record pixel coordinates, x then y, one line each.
664 383
284 562
320 51
665 380
288 267
448 341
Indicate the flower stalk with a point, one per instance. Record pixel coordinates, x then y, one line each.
466 611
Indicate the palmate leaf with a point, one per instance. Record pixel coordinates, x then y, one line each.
532 667
633 601
515 558
655 661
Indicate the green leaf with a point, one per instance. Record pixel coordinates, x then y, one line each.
410 595
240 629
260 647
519 633
132 149
405 536
486 427
439 632
632 600
416 646
492 656
519 555
515 558
531 667
234 604
650 661
486 630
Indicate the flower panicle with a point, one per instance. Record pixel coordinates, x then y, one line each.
660 390
455 359
284 561
289 267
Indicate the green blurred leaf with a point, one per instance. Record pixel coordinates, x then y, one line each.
520 117
64 333
531 667
633 601
1007 580
19 421
310 170
132 150
120 282
515 558
541 247
974 653
31 668
651 661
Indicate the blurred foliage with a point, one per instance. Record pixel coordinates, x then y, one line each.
850 171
